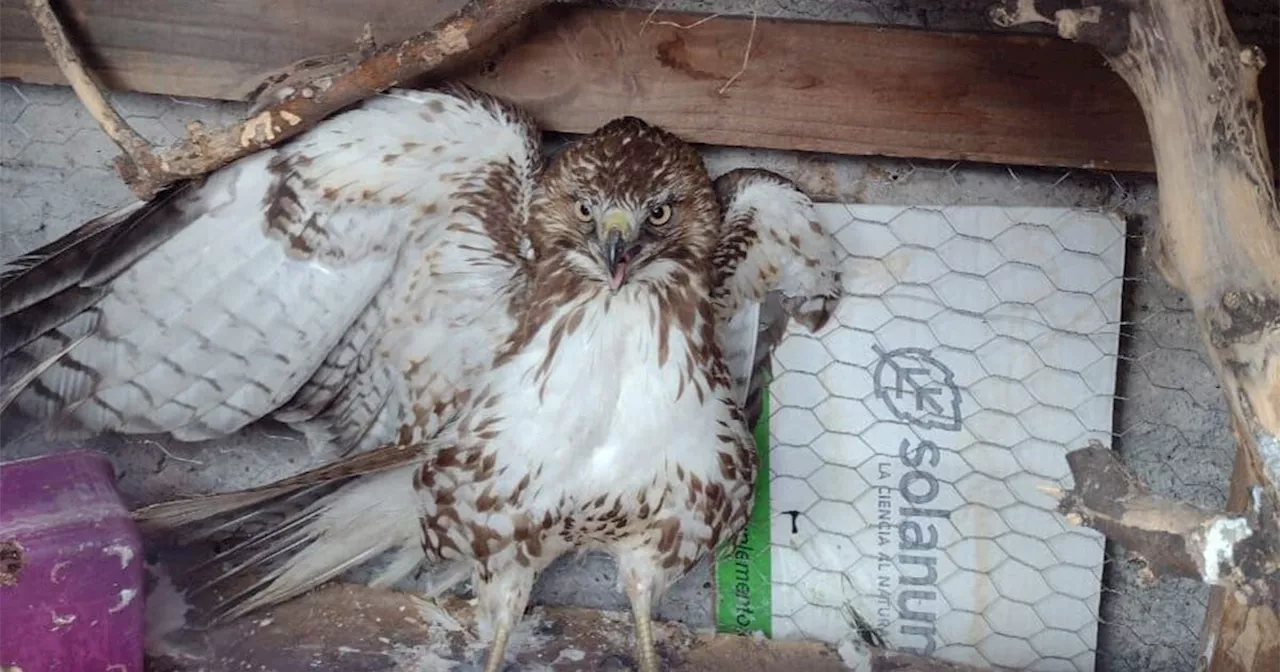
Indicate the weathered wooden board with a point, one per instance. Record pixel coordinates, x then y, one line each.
833 88
810 86
358 629
205 48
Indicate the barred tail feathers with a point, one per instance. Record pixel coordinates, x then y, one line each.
368 508
362 520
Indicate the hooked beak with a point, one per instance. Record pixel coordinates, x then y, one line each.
615 236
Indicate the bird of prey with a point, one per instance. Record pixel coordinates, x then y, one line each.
512 357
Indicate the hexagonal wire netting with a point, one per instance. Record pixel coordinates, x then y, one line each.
1013 308
1169 423
1024 308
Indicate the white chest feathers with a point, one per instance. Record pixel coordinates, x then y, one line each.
610 404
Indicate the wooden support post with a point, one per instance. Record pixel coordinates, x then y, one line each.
1219 241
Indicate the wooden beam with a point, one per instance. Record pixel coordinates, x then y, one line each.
359 629
820 87
220 50
825 87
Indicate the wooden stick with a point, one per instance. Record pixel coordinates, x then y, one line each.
1171 537
1218 240
300 98
137 151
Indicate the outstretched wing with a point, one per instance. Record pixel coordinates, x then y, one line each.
269 282
413 355
774 262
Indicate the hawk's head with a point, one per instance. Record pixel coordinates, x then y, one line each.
630 203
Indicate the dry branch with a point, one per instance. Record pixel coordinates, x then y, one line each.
300 98
1218 240
1170 537
137 151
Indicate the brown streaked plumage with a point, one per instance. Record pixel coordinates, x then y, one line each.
527 359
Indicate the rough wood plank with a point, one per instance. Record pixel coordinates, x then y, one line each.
834 88
839 88
354 628
810 86
219 50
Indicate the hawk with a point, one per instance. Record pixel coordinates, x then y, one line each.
511 357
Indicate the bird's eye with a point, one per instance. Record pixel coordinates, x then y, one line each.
583 211
660 215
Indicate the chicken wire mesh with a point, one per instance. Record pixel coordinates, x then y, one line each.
1021 322
914 439
1169 420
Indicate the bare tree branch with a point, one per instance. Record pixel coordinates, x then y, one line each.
137 151
1171 537
300 97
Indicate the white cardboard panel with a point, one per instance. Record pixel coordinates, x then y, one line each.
976 348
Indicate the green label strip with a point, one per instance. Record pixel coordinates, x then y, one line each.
744 574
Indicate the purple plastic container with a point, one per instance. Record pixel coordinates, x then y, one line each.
71 568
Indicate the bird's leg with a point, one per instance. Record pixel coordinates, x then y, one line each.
501 601
498 649
640 593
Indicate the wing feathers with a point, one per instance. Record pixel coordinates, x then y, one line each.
773 261
94 253
26 325
214 304
773 241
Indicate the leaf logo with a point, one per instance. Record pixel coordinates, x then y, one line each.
917 388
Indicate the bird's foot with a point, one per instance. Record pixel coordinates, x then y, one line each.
642 609
497 650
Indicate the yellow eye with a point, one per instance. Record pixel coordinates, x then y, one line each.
660 215
583 211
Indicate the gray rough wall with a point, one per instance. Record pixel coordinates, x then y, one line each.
1170 420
